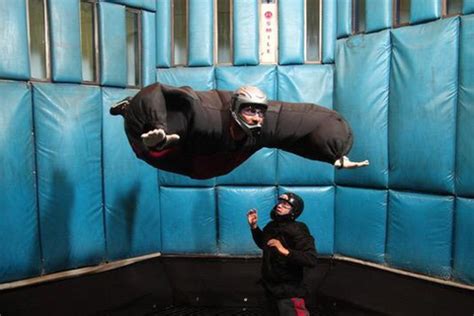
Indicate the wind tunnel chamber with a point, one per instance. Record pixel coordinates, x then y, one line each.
86 228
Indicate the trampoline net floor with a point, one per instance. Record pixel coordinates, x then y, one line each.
208 311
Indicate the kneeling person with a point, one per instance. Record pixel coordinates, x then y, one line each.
288 248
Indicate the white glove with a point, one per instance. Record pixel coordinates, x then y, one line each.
347 164
158 139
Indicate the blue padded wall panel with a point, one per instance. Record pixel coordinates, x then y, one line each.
200 32
233 204
231 78
424 10
361 219
14 57
132 215
65 40
344 18
202 79
422 112
188 219
163 33
419 233
174 179
463 261
68 150
378 15
246 32
329 25
148 48
257 170
318 214
19 249
467 7
361 96
465 141
291 32
140 4
113 50
305 83
261 167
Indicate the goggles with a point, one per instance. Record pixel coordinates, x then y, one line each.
285 203
252 110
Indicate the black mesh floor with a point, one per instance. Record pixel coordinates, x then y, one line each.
208 311
326 310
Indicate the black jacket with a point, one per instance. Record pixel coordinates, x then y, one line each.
283 276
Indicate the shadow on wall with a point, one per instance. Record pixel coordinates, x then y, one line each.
129 205
57 219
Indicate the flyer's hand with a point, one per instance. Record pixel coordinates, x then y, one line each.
346 163
158 139
252 218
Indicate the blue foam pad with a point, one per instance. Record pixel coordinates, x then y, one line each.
20 249
296 84
65 40
188 218
467 7
148 48
422 112
68 150
361 219
291 40
140 4
361 96
113 50
424 10
200 32
318 214
378 15
233 204
173 179
419 233
329 30
132 214
344 18
259 169
14 57
465 141
163 33
245 29
231 78
463 261
201 78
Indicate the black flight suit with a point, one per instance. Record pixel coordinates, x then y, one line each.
202 120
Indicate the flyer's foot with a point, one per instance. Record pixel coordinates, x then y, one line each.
346 163
120 107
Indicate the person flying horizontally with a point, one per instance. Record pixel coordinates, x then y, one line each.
204 134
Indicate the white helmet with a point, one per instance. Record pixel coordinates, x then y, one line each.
248 95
